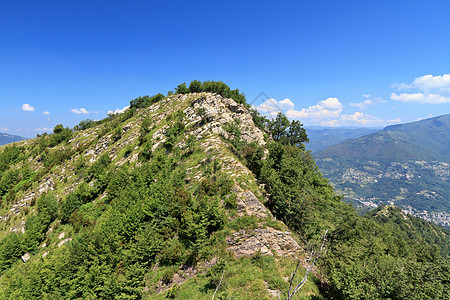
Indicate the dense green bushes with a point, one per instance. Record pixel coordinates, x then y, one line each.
8 156
8 180
146 101
111 255
37 225
84 124
217 87
10 250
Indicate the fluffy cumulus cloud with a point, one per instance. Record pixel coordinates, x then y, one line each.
79 111
46 113
440 83
328 112
27 107
117 111
325 109
359 119
420 98
272 106
430 89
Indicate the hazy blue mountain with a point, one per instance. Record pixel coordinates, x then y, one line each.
407 165
323 137
6 138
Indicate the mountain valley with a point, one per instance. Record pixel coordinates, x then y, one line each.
406 165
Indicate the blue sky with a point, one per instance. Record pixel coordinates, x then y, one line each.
336 63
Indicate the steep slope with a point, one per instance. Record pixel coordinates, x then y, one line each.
433 133
6 138
406 164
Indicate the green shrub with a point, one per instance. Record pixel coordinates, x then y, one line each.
83 194
10 250
182 89
145 101
230 201
37 225
84 124
8 180
195 86
117 134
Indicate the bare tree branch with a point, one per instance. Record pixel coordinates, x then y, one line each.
218 286
309 266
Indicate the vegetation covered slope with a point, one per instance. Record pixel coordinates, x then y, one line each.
405 164
168 200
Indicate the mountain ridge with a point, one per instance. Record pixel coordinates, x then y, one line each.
323 137
186 195
6 138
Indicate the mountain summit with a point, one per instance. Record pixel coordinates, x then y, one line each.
194 195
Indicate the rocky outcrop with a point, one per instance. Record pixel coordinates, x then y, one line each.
216 111
267 241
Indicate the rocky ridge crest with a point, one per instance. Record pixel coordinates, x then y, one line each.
205 117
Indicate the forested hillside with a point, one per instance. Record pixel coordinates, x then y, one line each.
194 195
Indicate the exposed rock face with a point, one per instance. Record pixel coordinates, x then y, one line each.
248 204
219 111
267 240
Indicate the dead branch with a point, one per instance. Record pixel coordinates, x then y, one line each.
218 286
309 266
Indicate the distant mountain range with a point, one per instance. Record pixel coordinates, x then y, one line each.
6 138
322 137
407 165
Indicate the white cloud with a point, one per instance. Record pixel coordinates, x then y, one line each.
79 111
430 87
359 119
368 102
327 112
43 129
46 113
430 82
272 106
440 83
286 104
401 86
27 107
362 105
117 111
4 129
325 109
420 98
